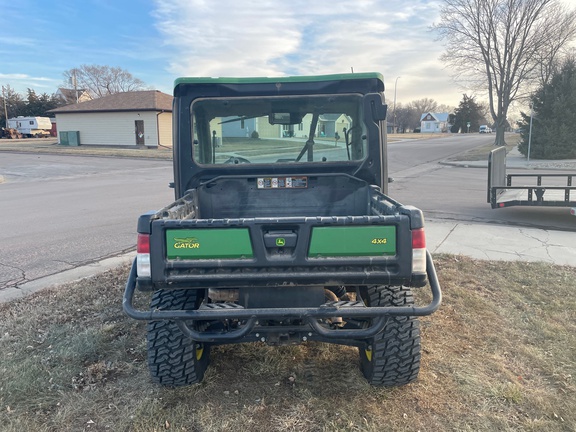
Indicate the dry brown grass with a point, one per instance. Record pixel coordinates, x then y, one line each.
415 136
499 355
51 146
481 153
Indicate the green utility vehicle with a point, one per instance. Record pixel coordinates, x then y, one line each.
282 231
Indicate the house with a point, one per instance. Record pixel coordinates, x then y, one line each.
72 96
130 119
434 122
328 125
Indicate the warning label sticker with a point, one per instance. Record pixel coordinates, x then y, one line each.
282 182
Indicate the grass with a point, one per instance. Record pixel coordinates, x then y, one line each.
499 355
481 153
51 146
414 136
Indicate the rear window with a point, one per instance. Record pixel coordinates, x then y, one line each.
288 129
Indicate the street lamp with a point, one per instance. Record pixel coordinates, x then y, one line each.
5 109
530 132
394 110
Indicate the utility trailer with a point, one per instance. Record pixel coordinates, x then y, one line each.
544 190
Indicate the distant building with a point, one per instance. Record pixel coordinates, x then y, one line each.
434 122
130 119
327 126
71 96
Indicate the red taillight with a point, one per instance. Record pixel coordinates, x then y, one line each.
418 239
143 245
418 251
143 255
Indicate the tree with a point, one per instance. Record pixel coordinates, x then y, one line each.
34 105
554 117
39 105
424 105
468 111
15 104
103 80
406 117
501 45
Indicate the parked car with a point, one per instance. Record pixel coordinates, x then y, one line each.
485 129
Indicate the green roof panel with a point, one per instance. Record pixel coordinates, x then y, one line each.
283 79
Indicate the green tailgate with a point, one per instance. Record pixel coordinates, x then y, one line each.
353 241
214 243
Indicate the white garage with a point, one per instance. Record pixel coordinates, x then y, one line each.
130 119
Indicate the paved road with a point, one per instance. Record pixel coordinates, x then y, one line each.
59 212
459 193
412 157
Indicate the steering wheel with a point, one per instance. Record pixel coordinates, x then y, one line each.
236 160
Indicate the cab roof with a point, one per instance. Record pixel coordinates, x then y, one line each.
284 79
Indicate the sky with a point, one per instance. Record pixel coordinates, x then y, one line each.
160 40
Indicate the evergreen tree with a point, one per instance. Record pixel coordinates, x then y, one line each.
33 105
15 104
39 105
554 117
468 111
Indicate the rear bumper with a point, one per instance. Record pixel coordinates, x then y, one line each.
310 315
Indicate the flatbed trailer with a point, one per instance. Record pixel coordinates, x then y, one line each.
506 190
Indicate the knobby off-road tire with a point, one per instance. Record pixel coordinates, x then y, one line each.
174 359
393 358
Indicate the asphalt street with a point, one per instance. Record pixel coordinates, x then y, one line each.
61 212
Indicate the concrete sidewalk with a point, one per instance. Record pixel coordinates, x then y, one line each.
500 242
515 160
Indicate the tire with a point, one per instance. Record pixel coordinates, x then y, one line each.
392 357
174 359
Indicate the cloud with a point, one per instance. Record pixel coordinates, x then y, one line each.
17 41
22 77
20 81
226 38
303 37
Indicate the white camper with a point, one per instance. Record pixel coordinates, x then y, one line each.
31 126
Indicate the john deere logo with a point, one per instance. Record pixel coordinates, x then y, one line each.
186 243
280 242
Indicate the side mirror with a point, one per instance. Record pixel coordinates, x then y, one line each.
377 107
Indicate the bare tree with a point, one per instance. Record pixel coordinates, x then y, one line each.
555 44
424 105
406 118
103 80
500 45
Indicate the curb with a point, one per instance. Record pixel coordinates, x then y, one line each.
67 276
525 166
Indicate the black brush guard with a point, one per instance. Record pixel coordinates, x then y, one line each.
310 315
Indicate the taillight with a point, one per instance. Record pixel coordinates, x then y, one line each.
143 255
418 251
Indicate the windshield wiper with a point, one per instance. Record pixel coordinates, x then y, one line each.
309 146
